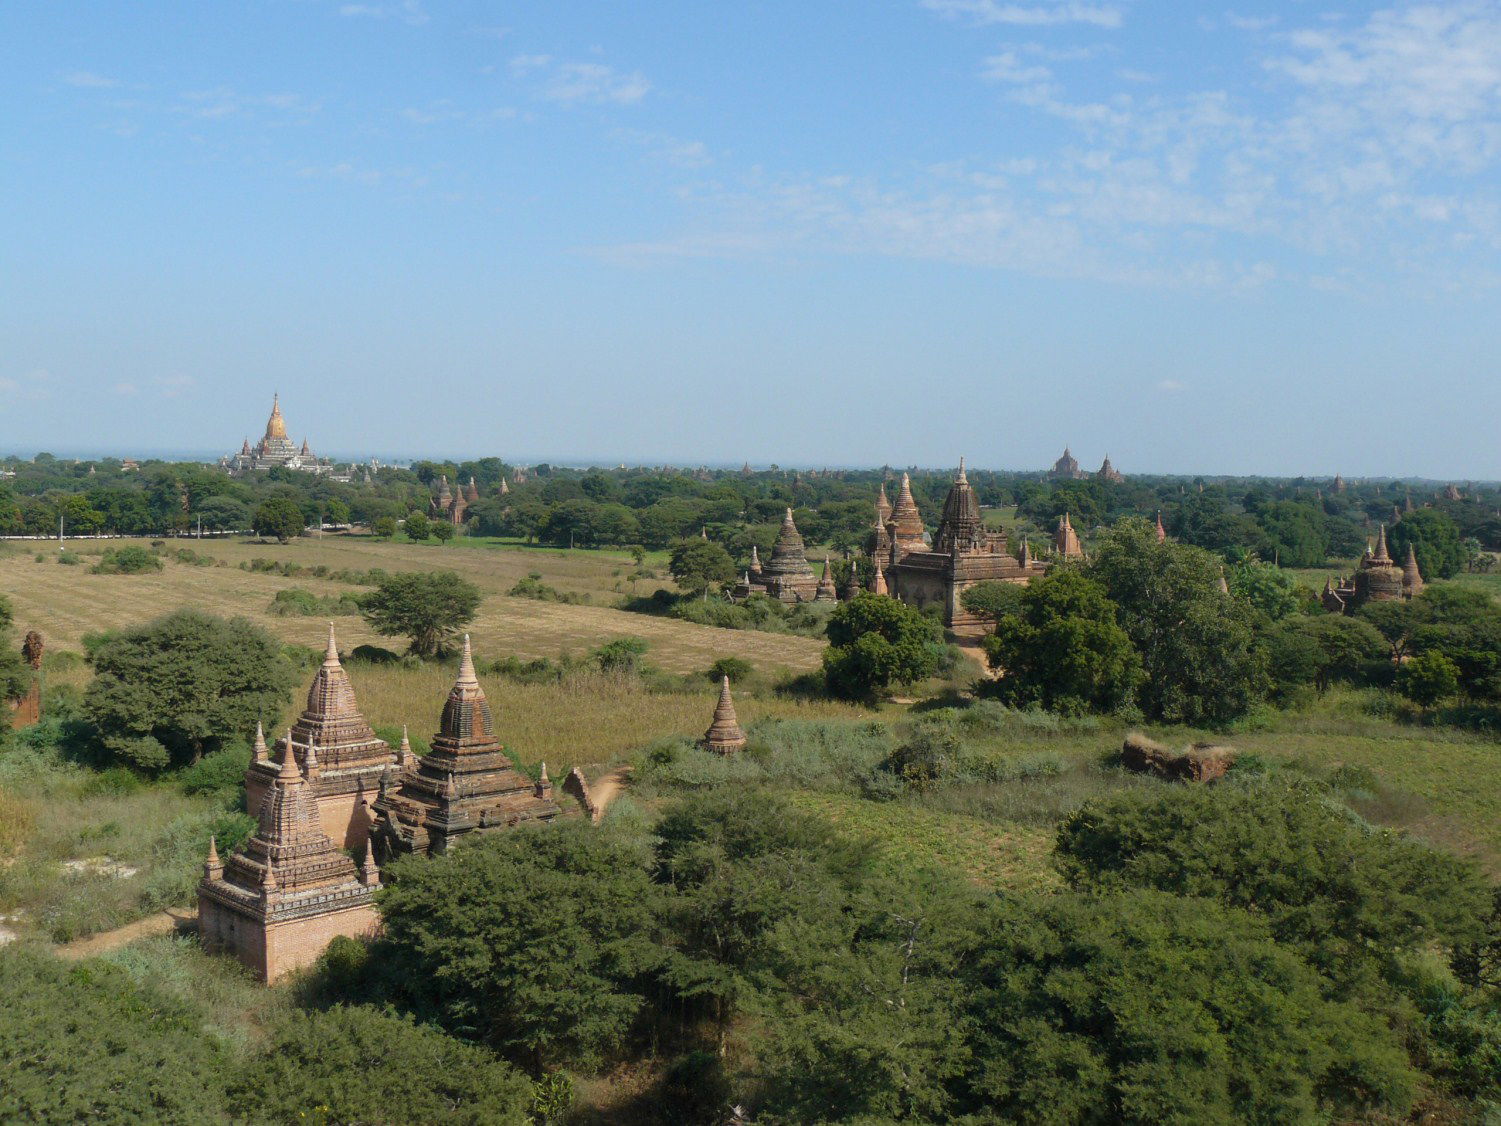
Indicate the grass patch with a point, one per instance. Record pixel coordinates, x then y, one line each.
1015 857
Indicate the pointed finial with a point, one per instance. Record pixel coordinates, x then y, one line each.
258 752
544 779
963 480
406 745
331 654
466 665
310 761
289 771
213 854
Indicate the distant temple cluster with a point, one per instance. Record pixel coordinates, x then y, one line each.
276 450
1378 579
962 553
331 790
453 505
1066 468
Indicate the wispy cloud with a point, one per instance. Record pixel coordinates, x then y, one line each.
579 83
31 386
1169 385
1371 154
669 149
598 83
983 12
407 11
88 80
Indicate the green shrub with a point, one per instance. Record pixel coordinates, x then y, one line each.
220 774
127 561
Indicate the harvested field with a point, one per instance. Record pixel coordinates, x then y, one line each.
65 603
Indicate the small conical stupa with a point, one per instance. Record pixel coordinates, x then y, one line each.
826 591
725 735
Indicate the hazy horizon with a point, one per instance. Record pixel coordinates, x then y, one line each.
1251 242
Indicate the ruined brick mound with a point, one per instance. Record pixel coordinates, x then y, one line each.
1201 762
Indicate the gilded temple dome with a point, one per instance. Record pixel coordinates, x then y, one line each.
276 426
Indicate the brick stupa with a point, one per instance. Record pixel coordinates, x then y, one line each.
465 783
290 891
725 735
787 576
904 529
348 759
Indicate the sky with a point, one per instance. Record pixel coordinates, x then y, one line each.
1264 239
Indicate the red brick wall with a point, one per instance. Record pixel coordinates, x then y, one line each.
274 952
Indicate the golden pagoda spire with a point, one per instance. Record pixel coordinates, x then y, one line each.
276 426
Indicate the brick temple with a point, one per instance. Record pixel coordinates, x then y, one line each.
1377 579
338 750
964 552
291 890
464 784
787 576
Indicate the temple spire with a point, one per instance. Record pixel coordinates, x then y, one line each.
258 752
331 654
467 676
962 479
212 868
725 735
289 771
1381 555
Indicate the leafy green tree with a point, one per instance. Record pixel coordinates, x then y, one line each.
1347 897
429 608
1197 646
536 942
14 677
364 1065
992 600
222 514
1063 650
1296 534
868 1020
1428 678
740 867
443 530
876 641
700 566
1145 1008
336 512
418 527
1345 646
84 1042
168 692
1434 537
1269 589
384 527
280 517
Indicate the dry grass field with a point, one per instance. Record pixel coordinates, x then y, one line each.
64 602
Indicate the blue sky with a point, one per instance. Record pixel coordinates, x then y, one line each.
1260 239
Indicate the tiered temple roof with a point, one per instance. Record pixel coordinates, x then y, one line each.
275 449
787 575
725 735
336 744
905 527
284 882
464 783
961 528
1066 540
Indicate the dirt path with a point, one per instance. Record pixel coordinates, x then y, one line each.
608 787
164 922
